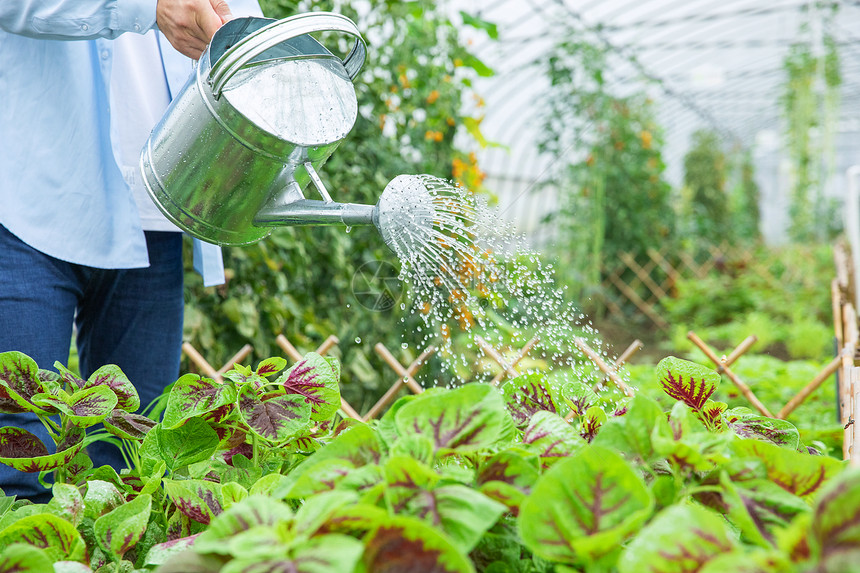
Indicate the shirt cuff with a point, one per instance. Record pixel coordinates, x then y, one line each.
135 16
209 263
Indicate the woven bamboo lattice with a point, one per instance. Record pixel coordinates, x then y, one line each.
633 285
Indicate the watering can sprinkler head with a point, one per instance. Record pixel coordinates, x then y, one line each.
402 215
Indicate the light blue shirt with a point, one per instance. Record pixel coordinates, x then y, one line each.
61 190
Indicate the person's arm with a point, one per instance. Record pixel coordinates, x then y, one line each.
76 19
187 24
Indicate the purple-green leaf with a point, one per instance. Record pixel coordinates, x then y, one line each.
687 381
271 366
120 529
23 558
164 552
314 379
528 394
67 502
25 452
470 418
19 382
100 498
193 396
252 512
550 437
518 468
799 473
835 528
405 543
91 405
112 377
55 535
760 508
748 425
591 422
579 397
274 417
461 512
128 426
584 507
681 539
200 500
325 553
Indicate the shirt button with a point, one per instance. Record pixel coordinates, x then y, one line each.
105 54
137 27
84 27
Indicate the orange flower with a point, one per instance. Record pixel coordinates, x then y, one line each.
446 332
646 139
433 96
432 135
425 309
450 121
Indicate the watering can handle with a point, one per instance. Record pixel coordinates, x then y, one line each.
270 36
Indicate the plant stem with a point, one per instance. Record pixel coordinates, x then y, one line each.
255 445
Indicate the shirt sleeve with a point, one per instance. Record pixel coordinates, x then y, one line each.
76 19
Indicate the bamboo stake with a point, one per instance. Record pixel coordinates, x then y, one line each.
836 303
524 351
288 348
327 344
604 367
634 347
238 357
845 396
850 322
741 349
388 397
397 367
509 369
723 368
855 458
497 357
810 388
201 362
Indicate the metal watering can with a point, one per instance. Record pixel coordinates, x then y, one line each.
265 107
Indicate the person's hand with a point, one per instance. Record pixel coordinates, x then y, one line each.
189 24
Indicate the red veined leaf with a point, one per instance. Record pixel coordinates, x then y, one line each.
112 377
274 417
128 426
687 381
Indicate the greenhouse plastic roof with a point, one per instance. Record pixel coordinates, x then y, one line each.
707 64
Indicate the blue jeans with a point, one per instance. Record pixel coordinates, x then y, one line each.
128 317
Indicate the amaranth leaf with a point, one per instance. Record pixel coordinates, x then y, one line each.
687 381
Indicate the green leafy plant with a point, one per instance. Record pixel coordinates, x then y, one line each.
532 478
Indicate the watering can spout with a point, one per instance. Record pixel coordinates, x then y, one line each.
316 212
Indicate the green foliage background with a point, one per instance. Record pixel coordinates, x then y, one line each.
298 281
613 194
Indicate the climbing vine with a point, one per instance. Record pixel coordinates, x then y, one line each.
811 108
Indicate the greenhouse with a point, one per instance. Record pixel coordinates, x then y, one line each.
479 286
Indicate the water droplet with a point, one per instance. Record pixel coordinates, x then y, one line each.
357 340
348 228
404 346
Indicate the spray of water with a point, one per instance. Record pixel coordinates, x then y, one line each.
470 275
